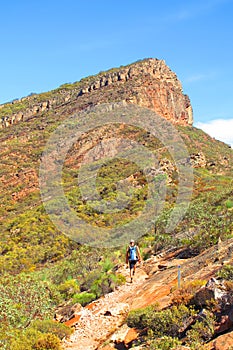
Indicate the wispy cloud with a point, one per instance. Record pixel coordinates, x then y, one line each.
192 10
220 129
196 77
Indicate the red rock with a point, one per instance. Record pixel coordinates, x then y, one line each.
91 306
223 342
131 335
72 322
67 312
156 87
224 325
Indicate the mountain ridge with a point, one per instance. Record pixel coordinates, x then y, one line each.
157 88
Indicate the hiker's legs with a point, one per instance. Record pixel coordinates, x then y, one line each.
132 268
131 274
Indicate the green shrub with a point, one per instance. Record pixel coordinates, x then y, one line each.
69 288
167 322
229 204
120 279
50 326
42 334
24 298
138 318
226 272
106 283
106 265
165 343
24 340
31 339
84 298
202 331
79 265
90 279
56 297
47 341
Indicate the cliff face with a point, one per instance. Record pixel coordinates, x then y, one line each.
149 83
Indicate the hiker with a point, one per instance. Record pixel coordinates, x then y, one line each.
132 257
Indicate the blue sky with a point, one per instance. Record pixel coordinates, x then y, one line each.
47 43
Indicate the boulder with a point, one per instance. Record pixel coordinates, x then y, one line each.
131 335
44 106
204 295
212 290
125 335
223 342
120 335
66 312
198 160
226 321
224 324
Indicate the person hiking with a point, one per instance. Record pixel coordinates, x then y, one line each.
132 257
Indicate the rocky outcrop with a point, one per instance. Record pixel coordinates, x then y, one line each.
149 83
67 313
223 342
198 160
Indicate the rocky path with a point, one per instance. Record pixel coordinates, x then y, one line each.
98 320
103 318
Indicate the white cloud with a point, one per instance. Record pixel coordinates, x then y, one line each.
220 129
195 78
193 10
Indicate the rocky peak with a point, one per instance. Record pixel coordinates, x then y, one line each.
148 83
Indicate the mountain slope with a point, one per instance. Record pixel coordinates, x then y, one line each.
150 83
35 252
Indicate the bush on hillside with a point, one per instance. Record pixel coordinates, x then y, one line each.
29 340
23 299
229 203
168 322
185 294
32 339
47 341
84 298
202 331
68 288
164 343
226 272
106 283
50 326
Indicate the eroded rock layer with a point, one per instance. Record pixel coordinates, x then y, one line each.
148 83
